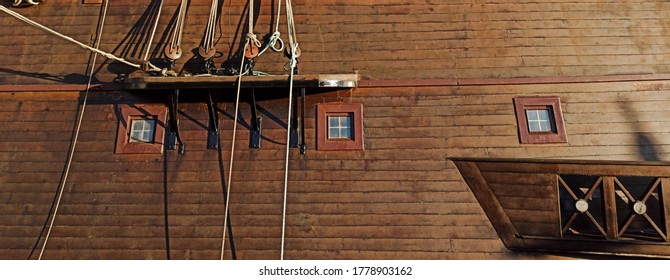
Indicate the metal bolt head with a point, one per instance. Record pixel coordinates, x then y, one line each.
582 205
639 207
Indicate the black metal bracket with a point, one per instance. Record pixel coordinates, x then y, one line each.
173 136
296 137
213 129
294 134
303 147
256 125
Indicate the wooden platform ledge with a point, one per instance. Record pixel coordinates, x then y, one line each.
195 82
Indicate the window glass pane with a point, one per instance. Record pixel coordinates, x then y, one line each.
147 124
545 126
533 126
344 132
334 132
339 127
142 131
135 136
543 115
531 114
539 120
333 121
137 125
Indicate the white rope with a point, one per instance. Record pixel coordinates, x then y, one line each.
275 42
250 32
175 40
80 118
153 32
149 67
288 136
292 36
208 42
31 2
232 151
293 64
180 21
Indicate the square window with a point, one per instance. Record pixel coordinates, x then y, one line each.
141 129
339 126
540 120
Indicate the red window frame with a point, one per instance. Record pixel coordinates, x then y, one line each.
323 111
553 103
130 112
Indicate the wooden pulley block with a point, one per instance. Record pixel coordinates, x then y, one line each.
206 54
251 51
297 53
173 53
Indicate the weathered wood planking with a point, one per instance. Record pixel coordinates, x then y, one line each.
382 40
133 201
398 199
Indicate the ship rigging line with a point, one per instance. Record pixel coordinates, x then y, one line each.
208 41
153 32
232 151
173 51
80 118
145 65
250 32
293 63
275 38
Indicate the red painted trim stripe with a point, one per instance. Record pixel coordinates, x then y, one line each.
408 83
511 81
397 83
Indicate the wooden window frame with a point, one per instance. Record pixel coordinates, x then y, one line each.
558 135
129 112
323 111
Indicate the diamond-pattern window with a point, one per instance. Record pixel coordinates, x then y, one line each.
634 210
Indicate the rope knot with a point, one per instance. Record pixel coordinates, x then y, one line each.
145 65
254 40
294 55
276 43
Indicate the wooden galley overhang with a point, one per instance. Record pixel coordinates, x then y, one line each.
617 208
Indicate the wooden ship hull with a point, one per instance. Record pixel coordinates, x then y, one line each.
442 163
